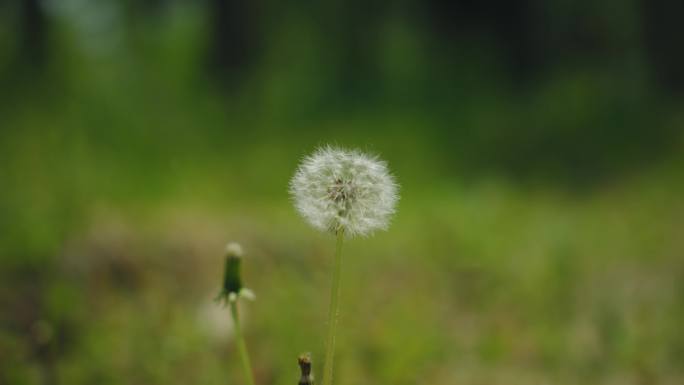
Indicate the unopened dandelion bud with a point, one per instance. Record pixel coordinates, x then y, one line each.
307 377
232 280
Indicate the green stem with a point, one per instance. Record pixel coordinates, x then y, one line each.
333 312
242 347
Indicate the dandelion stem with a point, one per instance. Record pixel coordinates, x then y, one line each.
333 311
242 347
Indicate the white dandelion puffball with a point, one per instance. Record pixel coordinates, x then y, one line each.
344 190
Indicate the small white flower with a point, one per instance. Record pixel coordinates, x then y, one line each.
344 190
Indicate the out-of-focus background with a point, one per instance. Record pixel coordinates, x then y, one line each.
539 238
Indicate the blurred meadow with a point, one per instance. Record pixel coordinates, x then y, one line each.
539 238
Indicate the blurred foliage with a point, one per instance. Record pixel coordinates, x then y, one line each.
538 146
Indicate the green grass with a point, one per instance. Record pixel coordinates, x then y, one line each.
485 283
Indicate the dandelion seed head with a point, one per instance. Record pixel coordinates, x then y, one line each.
344 190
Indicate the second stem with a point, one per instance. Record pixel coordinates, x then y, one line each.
333 311
242 347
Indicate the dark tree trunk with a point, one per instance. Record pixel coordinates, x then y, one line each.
234 43
33 34
664 31
512 25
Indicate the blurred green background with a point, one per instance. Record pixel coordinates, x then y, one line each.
539 237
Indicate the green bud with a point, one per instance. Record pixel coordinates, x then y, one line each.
232 280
